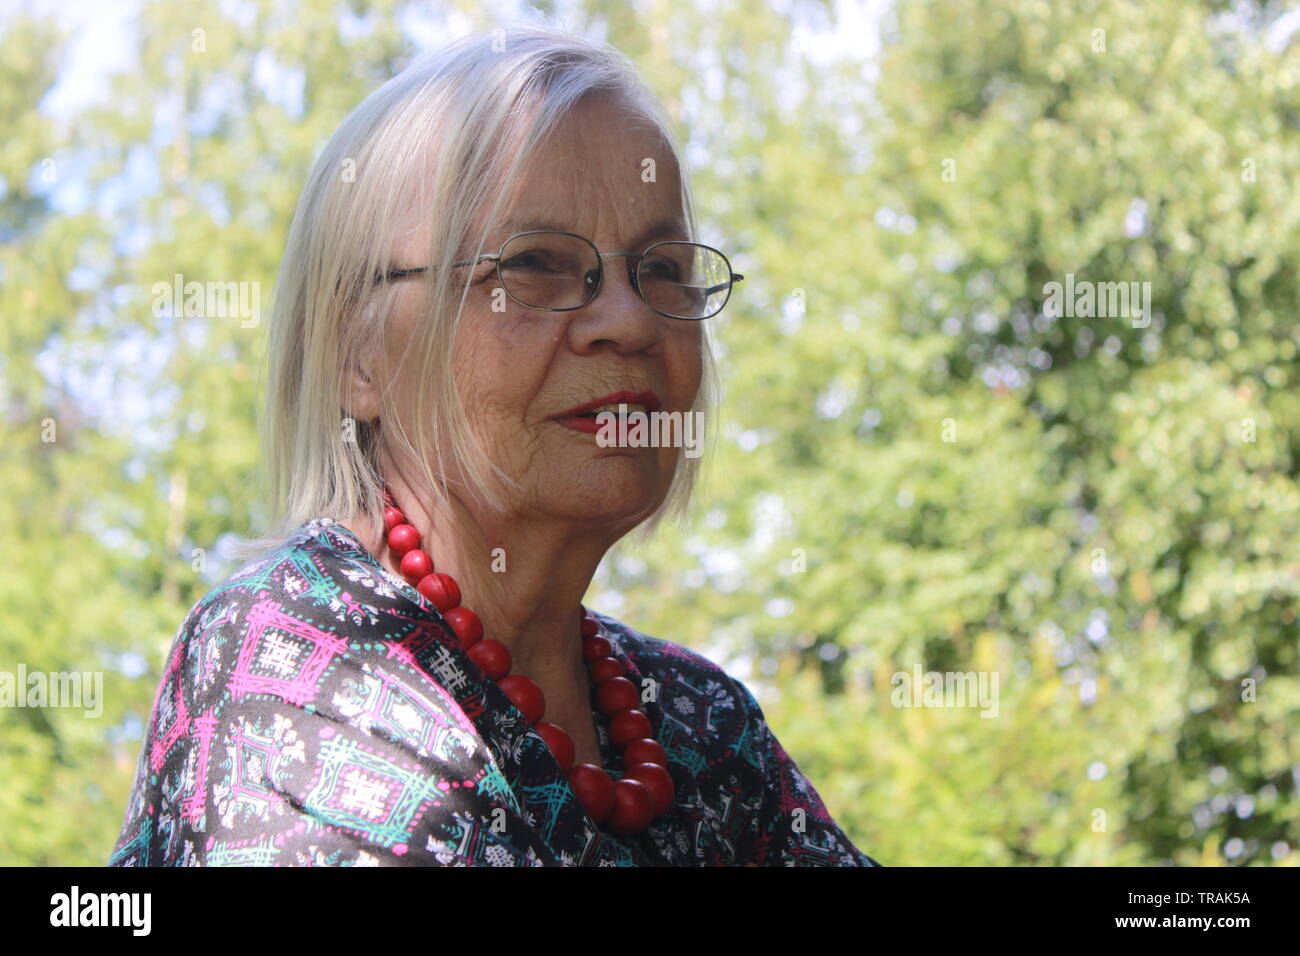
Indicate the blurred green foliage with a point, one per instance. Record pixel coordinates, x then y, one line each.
915 465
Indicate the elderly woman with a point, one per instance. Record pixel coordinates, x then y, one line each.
492 264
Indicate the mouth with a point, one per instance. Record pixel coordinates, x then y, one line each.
583 417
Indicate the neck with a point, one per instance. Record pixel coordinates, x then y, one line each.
524 579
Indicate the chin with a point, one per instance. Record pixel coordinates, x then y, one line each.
609 492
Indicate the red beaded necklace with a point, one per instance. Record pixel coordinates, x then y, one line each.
646 790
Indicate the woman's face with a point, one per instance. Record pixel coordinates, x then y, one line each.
520 370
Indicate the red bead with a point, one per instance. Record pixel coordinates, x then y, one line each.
393 517
594 648
441 589
658 781
416 565
633 807
594 790
525 695
560 742
615 694
588 627
466 625
603 668
492 657
646 750
403 538
627 726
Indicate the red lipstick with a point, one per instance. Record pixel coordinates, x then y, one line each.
580 418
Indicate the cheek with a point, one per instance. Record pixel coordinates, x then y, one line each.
500 364
686 365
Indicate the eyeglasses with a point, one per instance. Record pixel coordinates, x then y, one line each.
562 271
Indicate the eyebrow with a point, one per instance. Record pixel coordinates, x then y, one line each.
664 228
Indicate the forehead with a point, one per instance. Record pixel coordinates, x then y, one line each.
603 173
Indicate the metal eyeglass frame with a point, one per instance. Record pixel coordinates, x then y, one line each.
600 280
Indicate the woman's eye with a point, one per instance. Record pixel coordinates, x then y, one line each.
530 261
662 269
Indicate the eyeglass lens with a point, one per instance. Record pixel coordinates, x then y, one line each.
557 271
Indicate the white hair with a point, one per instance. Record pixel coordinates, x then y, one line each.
449 135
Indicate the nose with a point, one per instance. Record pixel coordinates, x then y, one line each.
617 315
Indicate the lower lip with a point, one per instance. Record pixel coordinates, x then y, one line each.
588 426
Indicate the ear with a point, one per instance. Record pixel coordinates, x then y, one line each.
360 396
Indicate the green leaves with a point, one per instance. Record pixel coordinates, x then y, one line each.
915 464
1120 498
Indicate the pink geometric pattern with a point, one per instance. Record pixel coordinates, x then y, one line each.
173 715
282 655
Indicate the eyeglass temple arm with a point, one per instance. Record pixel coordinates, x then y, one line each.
735 277
400 273
416 270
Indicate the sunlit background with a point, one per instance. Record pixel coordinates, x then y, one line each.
922 466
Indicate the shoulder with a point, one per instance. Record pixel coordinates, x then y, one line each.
319 576
290 621
308 679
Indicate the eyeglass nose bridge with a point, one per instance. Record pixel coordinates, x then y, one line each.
632 269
